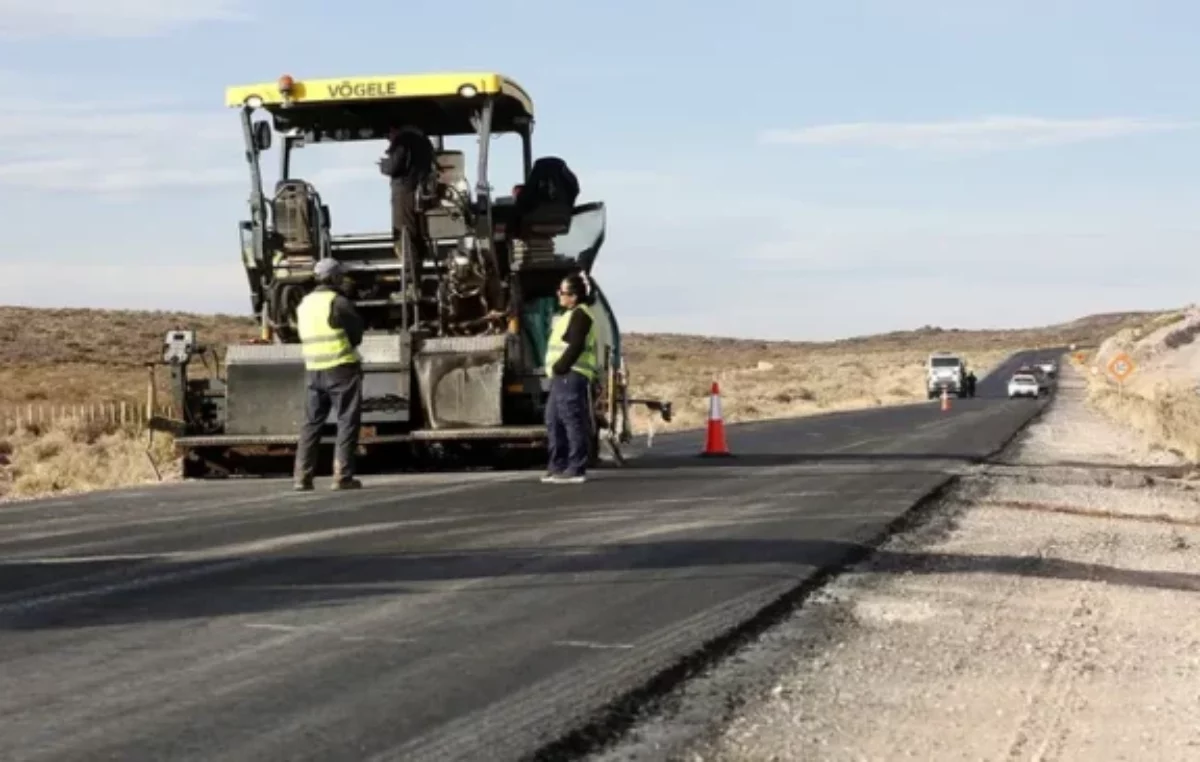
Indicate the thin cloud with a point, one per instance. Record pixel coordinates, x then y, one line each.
1082 254
25 19
192 287
116 150
46 147
985 134
123 176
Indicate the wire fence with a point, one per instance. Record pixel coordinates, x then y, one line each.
115 412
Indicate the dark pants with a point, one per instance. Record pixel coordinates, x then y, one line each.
339 388
404 217
569 424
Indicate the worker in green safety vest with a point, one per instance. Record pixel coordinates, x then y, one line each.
330 332
571 365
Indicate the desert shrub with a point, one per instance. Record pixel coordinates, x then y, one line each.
1183 336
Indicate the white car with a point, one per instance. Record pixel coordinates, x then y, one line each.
1024 385
1049 368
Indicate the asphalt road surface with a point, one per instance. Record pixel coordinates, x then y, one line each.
438 616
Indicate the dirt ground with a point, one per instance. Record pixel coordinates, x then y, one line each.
1048 610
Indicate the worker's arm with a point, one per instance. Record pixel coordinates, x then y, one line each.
393 162
343 315
577 333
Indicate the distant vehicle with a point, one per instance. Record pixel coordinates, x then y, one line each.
1024 385
1049 367
1043 378
948 371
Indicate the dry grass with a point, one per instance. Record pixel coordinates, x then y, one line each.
761 380
77 456
75 356
780 383
1161 399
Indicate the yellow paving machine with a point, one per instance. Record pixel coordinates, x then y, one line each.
452 357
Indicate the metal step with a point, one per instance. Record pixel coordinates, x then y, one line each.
519 433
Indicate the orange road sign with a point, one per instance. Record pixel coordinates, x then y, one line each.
1121 366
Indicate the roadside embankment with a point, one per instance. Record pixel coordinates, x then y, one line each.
1160 398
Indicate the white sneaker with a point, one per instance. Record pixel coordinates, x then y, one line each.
570 479
552 478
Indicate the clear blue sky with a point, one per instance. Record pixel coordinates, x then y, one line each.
772 168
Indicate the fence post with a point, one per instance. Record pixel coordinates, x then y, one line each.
150 398
115 412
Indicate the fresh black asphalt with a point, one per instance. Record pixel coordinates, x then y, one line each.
476 616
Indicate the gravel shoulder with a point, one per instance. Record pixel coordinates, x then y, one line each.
1048 608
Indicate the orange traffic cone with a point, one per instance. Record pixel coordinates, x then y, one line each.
715 445
945 399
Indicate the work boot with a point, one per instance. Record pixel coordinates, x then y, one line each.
341 480
302 481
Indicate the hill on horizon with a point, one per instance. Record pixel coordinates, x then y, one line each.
80 355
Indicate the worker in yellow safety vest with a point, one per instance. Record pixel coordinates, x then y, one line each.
330 332
572 366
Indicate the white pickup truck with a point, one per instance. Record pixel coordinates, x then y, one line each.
946 370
